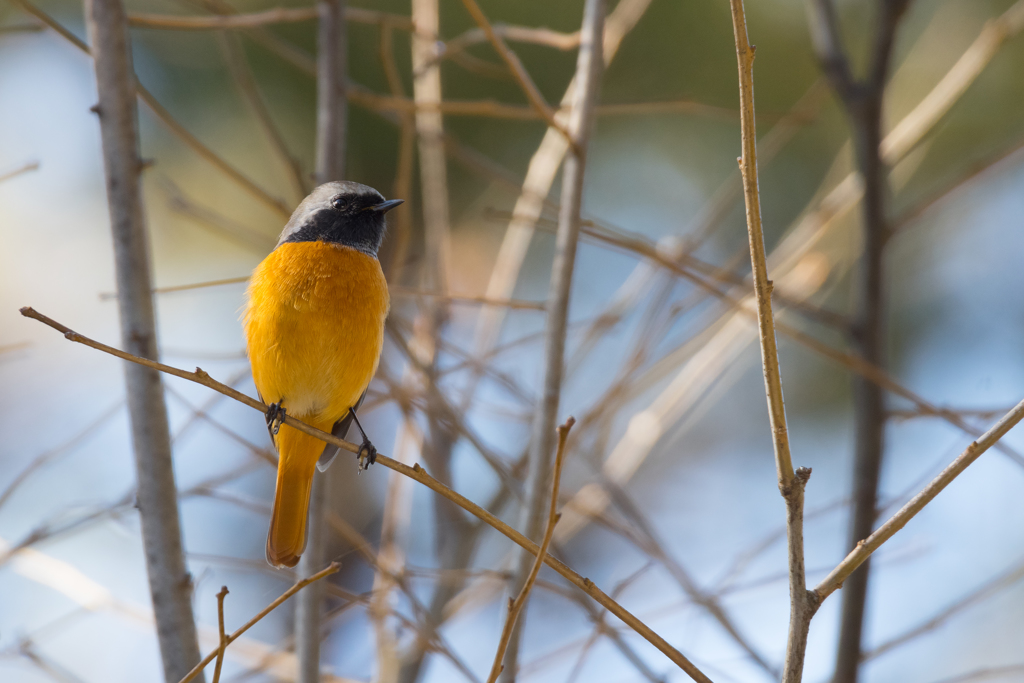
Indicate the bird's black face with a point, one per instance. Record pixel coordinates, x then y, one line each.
342 214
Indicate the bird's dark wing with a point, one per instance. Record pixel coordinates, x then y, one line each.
339 430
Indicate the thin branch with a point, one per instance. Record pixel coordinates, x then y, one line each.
415 472
869 545
169 121
791 484
169 581
27 168
223 636
533 95
331 569
241 72
278 15
516 606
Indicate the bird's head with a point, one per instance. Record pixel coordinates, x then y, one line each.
342 212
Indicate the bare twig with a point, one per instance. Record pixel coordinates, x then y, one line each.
169 582
415 472
241 72
27 168
516 606
867 546
223 636
278 15
533 95
791 484
190 141
197 670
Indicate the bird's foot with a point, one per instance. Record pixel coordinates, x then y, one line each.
367 455
367 452
275 417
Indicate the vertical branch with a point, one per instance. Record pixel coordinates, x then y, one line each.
589 67
438 442
223 635
863 103
331 124
803 604
169 582
430 129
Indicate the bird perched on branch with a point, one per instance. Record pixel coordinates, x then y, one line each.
314 327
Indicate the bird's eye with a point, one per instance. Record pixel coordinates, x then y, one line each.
339 203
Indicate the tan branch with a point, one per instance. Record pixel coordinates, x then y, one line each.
866 547
415 472
519 72
516 606
223 636
331 569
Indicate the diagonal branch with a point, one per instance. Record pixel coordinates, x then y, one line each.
415 472
519 72
865 548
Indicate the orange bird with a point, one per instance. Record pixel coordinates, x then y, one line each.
314 328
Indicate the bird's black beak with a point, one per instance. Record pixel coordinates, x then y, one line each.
384 207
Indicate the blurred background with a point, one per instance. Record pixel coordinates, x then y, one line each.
669 484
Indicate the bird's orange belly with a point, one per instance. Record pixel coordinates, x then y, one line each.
314 327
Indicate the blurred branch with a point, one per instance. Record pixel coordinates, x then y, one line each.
522 77
169 582
791 484
49 455
331 145
395 290
415 472
869 545
516 606
169 121
589 70
241 72
278 15
862 100
197 670
534 189
986 590
27 168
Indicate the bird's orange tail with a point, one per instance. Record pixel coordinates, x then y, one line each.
299 453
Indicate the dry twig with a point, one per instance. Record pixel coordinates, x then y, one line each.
415 472
516 606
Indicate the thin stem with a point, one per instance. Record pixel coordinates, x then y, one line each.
415 472
223 636
197 670
791 484
516 606
869 545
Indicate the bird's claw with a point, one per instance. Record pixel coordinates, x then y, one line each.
275 417
367 455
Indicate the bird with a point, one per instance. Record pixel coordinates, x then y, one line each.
314 327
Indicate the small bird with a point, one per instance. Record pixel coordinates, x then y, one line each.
314 328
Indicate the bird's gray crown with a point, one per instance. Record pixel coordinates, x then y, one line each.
342 212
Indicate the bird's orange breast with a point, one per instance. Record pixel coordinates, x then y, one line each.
314 327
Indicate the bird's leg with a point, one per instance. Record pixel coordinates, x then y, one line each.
367 452
275 417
